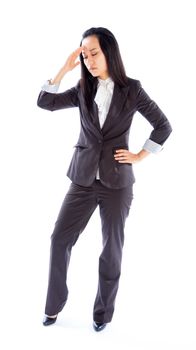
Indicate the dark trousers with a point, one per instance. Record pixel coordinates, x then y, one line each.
77 208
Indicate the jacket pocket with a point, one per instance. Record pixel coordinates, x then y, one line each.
80 146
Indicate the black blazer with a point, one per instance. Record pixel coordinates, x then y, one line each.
96 146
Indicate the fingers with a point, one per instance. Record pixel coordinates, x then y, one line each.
122 151
124 156
71 61
121 155
77 63
77 52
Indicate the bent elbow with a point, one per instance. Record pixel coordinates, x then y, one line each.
44 103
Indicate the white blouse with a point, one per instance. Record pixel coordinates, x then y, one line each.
103 98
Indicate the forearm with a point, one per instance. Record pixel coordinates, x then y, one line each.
142 154
57 79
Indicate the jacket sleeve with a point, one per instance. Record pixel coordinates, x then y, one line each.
56 101
150 110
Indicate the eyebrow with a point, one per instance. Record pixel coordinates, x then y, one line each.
95 48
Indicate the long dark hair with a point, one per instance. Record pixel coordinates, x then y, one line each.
110 48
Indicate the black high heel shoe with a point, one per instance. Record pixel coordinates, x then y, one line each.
49 320
98 326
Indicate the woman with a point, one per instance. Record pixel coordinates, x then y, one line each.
101 167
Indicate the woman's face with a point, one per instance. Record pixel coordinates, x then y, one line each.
94 58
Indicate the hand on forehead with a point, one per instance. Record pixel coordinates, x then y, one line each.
85 50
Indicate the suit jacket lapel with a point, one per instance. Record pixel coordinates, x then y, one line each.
95 116
118 100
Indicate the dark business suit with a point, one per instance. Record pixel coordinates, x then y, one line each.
113 193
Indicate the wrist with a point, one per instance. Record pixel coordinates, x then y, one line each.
142 154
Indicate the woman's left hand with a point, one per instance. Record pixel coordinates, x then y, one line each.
125 156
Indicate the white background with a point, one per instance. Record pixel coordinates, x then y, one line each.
155 307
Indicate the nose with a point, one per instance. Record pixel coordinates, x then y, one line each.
90 61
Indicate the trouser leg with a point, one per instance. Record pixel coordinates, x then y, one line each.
114 208
76 210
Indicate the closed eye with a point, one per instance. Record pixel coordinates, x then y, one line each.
93 54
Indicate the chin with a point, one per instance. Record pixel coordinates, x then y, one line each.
95 75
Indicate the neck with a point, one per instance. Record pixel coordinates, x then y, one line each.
104 76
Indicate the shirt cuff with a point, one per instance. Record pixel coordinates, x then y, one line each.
52 88
152 146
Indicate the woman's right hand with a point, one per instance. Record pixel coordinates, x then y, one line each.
70 64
